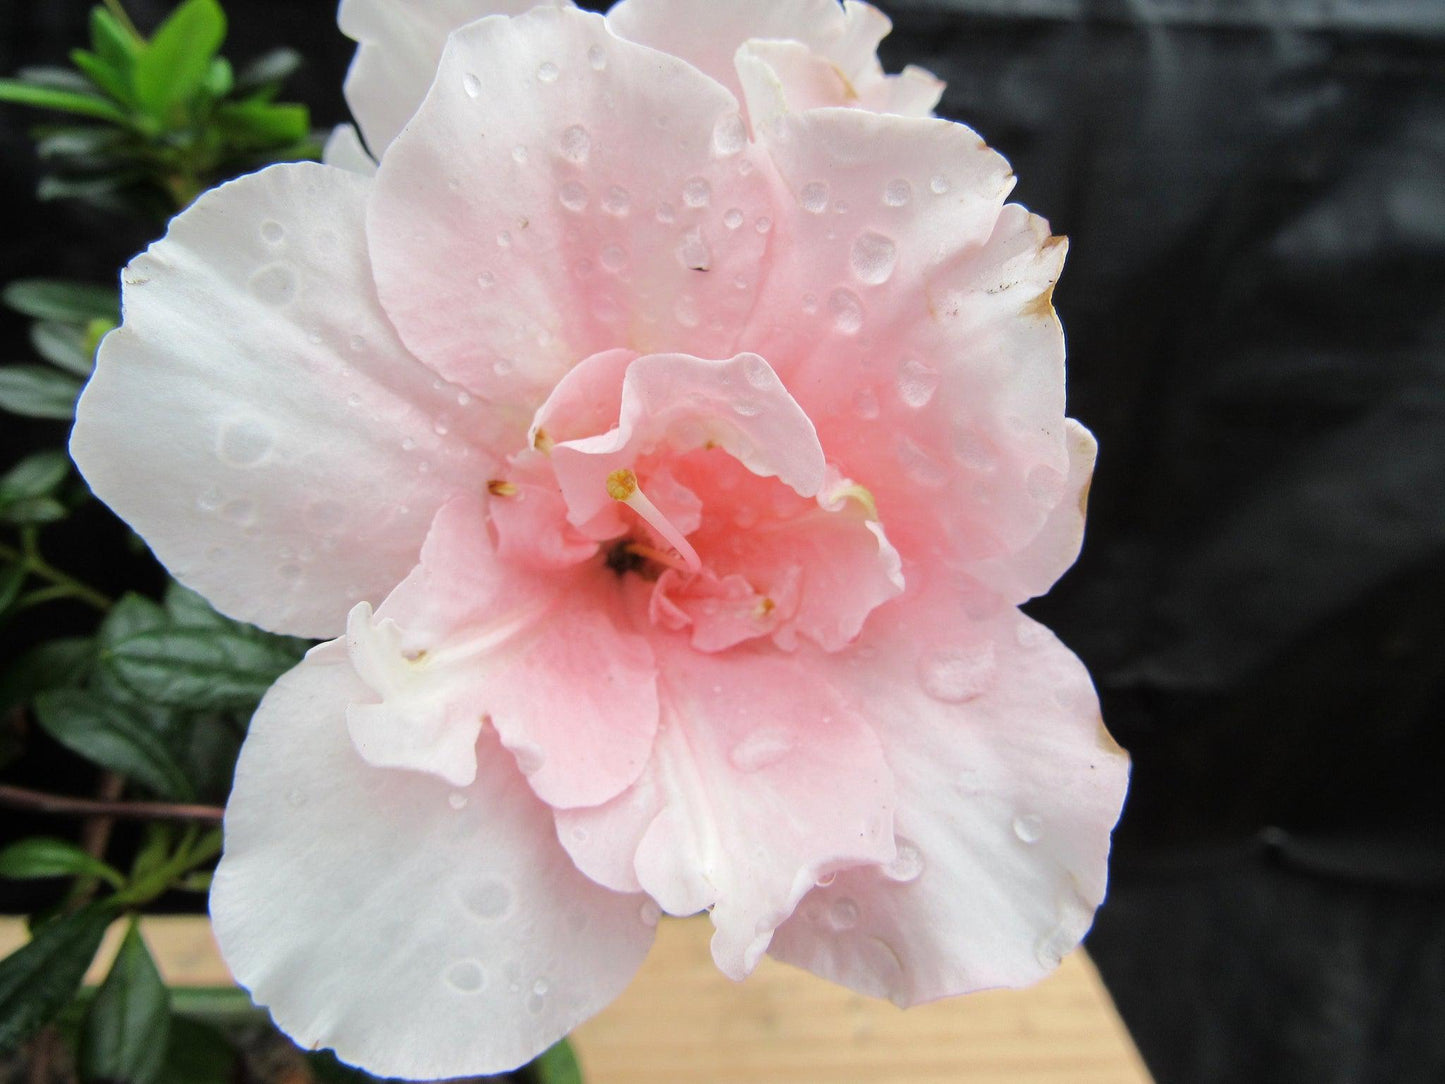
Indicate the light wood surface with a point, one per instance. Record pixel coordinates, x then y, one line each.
682 1022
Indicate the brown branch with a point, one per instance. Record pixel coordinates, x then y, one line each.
39 801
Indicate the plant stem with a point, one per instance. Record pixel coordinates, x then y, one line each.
63 585
39 801
113 6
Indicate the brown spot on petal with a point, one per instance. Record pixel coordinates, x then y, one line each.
1043 305
1106 740
1084 498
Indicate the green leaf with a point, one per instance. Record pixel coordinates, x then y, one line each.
174 62
12 579
33 511
64 345
197 1054
111 40
80 147
200 669
187 609
126 1031
35 391
114 736
268 71
38 980
262 124
42 857
108 76
56 78
131 614
65 101
557 1065
219 78
37 475
58 299
56 664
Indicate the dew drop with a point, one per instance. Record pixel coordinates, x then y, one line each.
763 224
685 311
465 977
272 232
353 400
810 303
407 444
472 85
939 185
541 988
693 252
613 258
814 197
357 343
244 443
536 1003
530 759
210 500
576 144
758 372
463 398
897 192
649 913
917 383
847 311
907 865
729 136
274 285
974 452
666 213
733 218
617 201
296 797
486 280
597 58
504 239
457 800
873 258
843 914
504 366
696 192
489 899
760 749
1028 827
865 404
547 72
747 408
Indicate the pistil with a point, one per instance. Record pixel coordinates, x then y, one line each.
622 486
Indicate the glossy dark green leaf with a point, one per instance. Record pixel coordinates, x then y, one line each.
131 614
42 857
64 101
114 736
57 299
197 1053
38 391
556 1065
32 511
65 345
12 579
172 65
200 669
125 1034
186 609
37 475
38 980
268 70
55 664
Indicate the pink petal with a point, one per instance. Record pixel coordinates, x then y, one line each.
563 192
1008 786
686 402
399 44
421 931
466 636
282 509
761 782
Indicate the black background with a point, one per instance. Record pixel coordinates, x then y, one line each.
1255 306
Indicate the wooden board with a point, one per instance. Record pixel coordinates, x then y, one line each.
682 1022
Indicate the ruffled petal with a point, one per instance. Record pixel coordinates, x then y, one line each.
762 781
1008 787
563 192
421 931
398 46
467 639
255 418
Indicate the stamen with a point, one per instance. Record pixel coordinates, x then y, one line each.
499 488
656 555
622 486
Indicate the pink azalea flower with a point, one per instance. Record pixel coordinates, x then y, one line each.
690 404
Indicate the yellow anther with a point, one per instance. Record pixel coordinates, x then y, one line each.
542 442
621 484
498 488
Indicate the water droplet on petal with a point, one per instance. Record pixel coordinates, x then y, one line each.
466 977
472 85
897 192
747 408
873 258
272 232
244 443
693 252
530 759
576 144
457 800
617 201
729 136
210 500
814 197
761 749
296 797
489 899
685 311
547 72
274 285
920 465
536 1003
847 311
843 915
597 58
733 218
865 404
907 865
613 258
758 372
826 881
666 213
1028 827
696 192
954 675
407 444
916 383
763 224
939 185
